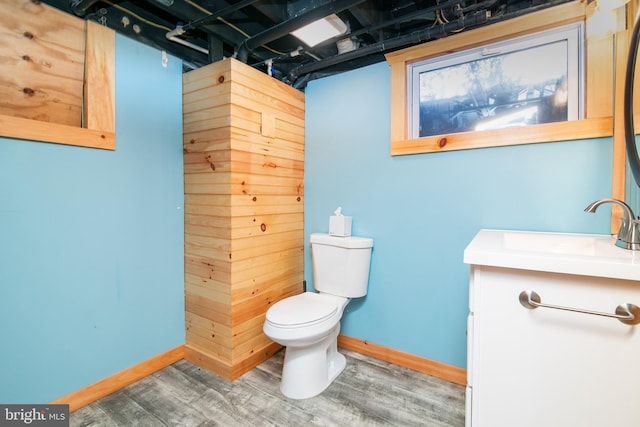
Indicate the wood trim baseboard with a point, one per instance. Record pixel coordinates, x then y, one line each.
209 362
106 386
447 372
225 369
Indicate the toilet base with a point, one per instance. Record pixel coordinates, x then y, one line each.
308 371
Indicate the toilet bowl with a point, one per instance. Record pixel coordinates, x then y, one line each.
308 324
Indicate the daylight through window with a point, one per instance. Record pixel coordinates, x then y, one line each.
529 80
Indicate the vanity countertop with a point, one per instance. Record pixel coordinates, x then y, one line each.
568 253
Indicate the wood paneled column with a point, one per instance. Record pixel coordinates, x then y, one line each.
244 222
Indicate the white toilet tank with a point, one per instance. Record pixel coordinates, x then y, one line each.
341 264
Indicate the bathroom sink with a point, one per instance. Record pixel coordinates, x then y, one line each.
571 253
555 243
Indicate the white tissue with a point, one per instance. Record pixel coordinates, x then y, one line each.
339 225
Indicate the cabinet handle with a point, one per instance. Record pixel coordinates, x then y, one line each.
628 314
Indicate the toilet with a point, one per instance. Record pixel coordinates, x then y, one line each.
308 324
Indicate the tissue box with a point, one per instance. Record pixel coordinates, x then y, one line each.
340 225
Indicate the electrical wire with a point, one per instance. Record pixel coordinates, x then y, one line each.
229 24
140 18
441 19
193 4
224 21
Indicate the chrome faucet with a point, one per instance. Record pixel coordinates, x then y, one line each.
629 233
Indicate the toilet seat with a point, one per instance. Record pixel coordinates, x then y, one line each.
302 310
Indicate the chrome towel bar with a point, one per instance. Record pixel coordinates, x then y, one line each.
628 314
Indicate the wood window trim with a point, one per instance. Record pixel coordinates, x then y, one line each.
598 121
99 101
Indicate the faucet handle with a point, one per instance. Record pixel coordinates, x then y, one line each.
629 233
633 235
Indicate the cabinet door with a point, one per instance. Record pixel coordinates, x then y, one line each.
546 367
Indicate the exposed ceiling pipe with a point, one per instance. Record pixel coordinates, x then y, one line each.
415 15
178 31
174 34
218 14
430 33
80 7
469 20
286 27
416 37
404 18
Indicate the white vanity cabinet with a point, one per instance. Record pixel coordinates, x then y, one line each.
548 367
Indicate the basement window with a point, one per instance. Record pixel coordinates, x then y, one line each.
528 80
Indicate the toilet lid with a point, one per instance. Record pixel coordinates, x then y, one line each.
301 309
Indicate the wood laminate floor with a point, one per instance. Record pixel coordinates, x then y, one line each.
369 392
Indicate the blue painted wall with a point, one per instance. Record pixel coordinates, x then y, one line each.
422 210
91 242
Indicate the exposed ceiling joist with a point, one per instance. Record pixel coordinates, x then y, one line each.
257 31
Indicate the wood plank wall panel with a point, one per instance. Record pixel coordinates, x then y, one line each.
100 74
44 58
244 198
41 47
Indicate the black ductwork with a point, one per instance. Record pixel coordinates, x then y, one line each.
379 27
420 13
286 27
416 37
80 7
301 75
218 14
